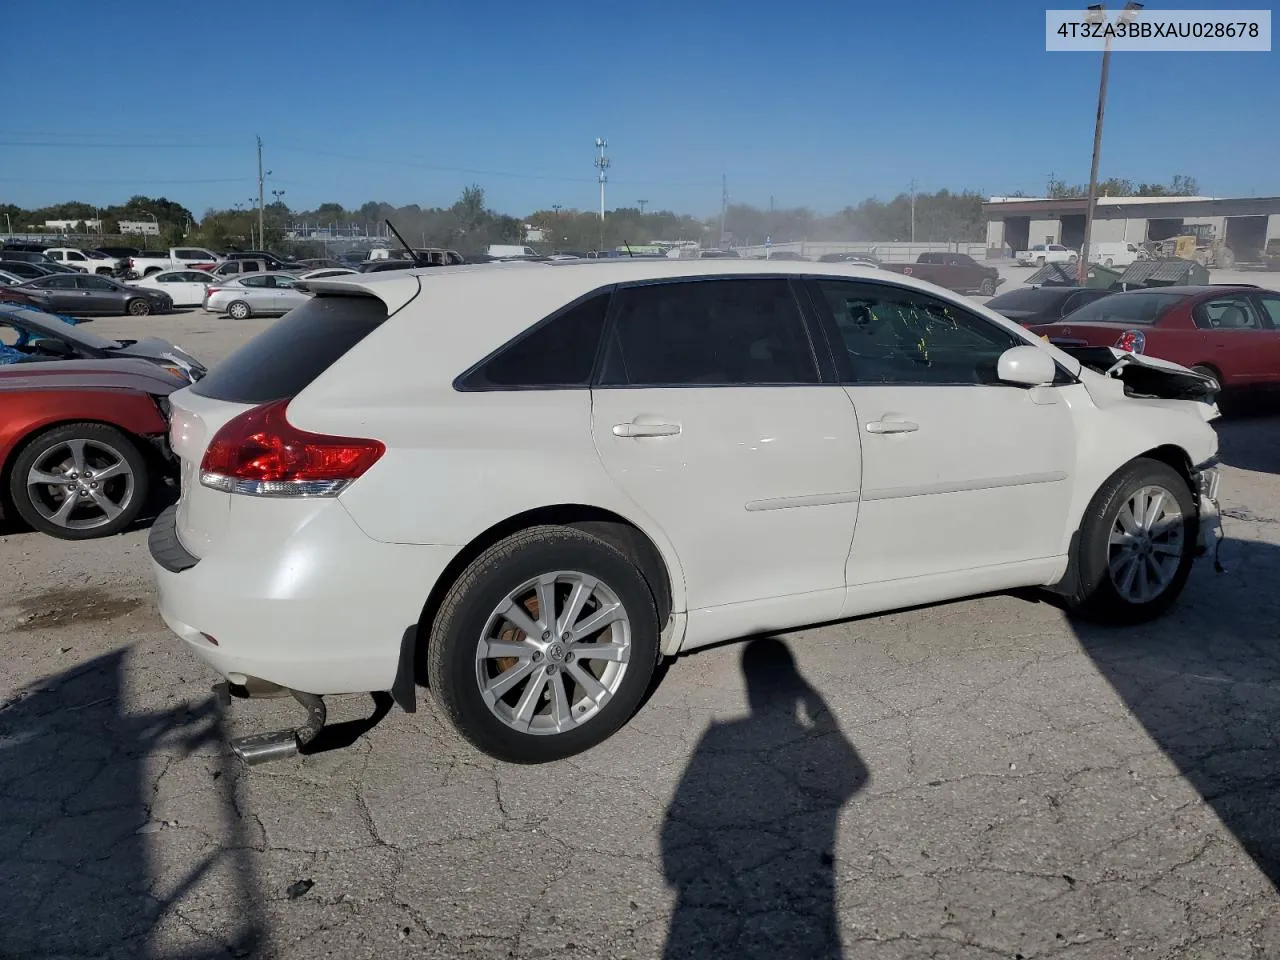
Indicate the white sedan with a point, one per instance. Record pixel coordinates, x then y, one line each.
186 287
533 485
254 294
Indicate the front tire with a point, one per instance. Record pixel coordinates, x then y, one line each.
528 686
79 481
1136 545
138 307
238 310
987 288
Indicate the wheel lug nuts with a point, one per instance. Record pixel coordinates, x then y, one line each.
546 634
567 638
568 658
537 655
551 668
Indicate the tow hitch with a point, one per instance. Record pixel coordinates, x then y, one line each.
265 747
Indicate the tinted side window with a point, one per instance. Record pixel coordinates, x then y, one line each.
557 352
282 361
708 332
893 335
255 281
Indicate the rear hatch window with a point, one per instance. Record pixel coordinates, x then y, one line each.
285 359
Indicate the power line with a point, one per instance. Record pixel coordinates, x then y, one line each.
142 180
62 144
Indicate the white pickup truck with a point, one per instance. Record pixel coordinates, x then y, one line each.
1043 253
178 258
89 261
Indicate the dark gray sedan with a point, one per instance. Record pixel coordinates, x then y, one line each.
82 294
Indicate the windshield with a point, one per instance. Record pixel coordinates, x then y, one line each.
1141 309
48 325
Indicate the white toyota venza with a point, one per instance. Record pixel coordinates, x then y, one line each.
525 484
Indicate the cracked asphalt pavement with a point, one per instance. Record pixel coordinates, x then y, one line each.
982 779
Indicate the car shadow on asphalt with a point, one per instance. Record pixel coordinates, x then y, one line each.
748 841
1249 438
86 868
1204 681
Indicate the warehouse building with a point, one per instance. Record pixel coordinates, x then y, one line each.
1016 223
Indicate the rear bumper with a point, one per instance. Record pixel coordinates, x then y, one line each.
315 606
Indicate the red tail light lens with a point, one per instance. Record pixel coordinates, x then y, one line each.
260 453
1132 341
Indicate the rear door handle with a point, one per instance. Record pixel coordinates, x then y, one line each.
892 425
635 429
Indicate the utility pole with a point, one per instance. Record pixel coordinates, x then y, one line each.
642 203
912 187
1097 14
261 204
724 204
602 164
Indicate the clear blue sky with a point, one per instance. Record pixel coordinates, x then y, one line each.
813 102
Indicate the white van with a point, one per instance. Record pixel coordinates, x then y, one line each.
510 250
1117 254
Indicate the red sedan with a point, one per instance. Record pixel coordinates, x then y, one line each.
1231 333
82 442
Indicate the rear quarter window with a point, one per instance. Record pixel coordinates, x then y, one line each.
285 359
556 353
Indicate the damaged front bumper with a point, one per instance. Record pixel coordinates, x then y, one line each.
1205 479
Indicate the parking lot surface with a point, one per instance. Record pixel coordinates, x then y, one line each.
980 779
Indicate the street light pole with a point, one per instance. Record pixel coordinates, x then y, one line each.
1097 14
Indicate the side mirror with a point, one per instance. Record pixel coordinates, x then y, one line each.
1026 366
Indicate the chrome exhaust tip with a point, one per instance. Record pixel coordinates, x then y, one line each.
265 747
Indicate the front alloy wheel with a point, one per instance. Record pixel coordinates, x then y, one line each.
1136 544
1146 544
544 646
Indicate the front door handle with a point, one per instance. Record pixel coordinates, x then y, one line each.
635 429
892 425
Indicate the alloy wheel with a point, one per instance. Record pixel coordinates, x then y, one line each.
553 653
81 484
1146 544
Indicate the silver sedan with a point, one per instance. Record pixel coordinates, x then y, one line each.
254 294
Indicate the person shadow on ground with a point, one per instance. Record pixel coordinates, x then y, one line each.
748 841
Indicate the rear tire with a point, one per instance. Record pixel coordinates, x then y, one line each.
546 694
1133 567
987 288
238 310
1039 261
1073 259
53 453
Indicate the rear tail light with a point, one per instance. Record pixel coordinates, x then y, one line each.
261 454
1132 341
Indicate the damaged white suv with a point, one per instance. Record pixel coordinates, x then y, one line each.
524 485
